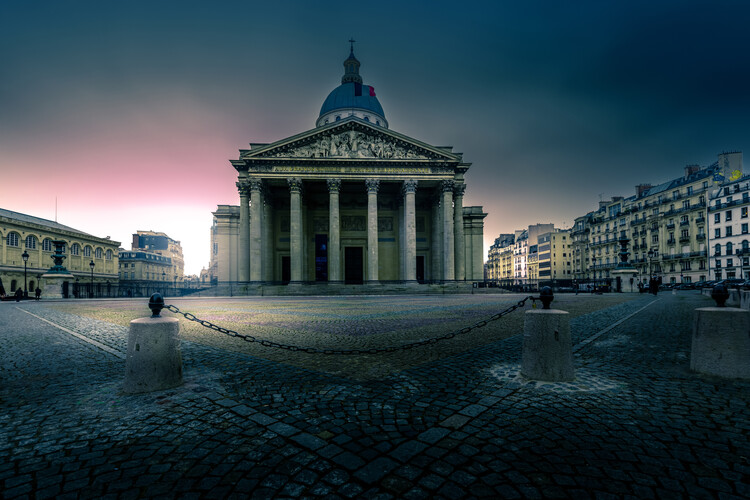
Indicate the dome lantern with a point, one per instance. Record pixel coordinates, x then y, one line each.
352 98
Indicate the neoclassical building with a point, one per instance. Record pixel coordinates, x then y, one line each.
90 260
350 201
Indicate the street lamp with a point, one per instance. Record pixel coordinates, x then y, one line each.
651 255
25 257
593 269
91 291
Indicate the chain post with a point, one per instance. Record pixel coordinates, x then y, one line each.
346 352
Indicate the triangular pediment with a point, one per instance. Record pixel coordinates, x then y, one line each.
351 139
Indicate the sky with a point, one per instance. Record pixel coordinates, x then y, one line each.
122 116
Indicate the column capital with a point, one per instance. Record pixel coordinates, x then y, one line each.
255 184
410 186
295 185
372 185
334 185
459 188
447 186
243 186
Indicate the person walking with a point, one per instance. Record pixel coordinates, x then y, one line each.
19 294
38 293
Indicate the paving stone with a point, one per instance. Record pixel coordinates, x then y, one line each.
636 423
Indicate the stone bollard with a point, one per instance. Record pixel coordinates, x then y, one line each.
154 361
721 339
547 346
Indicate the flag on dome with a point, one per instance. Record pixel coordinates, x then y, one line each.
358 88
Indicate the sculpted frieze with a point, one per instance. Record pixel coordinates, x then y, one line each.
352 144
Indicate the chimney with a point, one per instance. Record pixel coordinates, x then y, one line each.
641 188
691 169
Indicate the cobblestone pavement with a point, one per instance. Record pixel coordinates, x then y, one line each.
635 422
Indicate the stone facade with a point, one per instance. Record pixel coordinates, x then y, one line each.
348 202
20 232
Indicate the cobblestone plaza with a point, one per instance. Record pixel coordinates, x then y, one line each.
454 419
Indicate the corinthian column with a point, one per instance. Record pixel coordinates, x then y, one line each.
268 246
436 239
334 245
244 251
410 188
449 271
295 229
458 230
372 229
256 211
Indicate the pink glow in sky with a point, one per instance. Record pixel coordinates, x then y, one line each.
128 112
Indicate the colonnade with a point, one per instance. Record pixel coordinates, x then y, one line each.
256 233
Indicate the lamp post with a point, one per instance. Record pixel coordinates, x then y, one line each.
593 269
25 257
651 255
91 291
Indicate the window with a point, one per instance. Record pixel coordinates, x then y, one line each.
745 245
12 240
31 242
730 263
47 245
717 217
654 238
109 254
686 204
717 233
684 234
717 249
718 263
728 231
87 251
728 215
729 248
98 253
744 228
689 190
743 212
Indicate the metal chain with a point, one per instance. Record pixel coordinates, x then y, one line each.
379 350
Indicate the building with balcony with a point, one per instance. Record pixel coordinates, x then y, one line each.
160 244
727 229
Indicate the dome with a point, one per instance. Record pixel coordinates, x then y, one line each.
352 98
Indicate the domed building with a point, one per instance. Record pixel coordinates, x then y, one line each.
348 202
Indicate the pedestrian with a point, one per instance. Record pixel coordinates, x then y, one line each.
38 293
19 294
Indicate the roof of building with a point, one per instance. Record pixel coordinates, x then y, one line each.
30 219
352 94
680 181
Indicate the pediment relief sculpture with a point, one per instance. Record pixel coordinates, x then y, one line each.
352 144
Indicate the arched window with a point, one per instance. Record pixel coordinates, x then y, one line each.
729 248
338 118
87 251
109 254
98 253
367 118
75 249
12 240
745 245
47 245
31 242
717 249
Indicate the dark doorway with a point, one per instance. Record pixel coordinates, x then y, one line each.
65 290
286 268
353 268
321 257
420 268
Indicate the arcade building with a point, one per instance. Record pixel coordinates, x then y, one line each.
348 202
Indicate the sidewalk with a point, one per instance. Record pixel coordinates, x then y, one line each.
636 422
